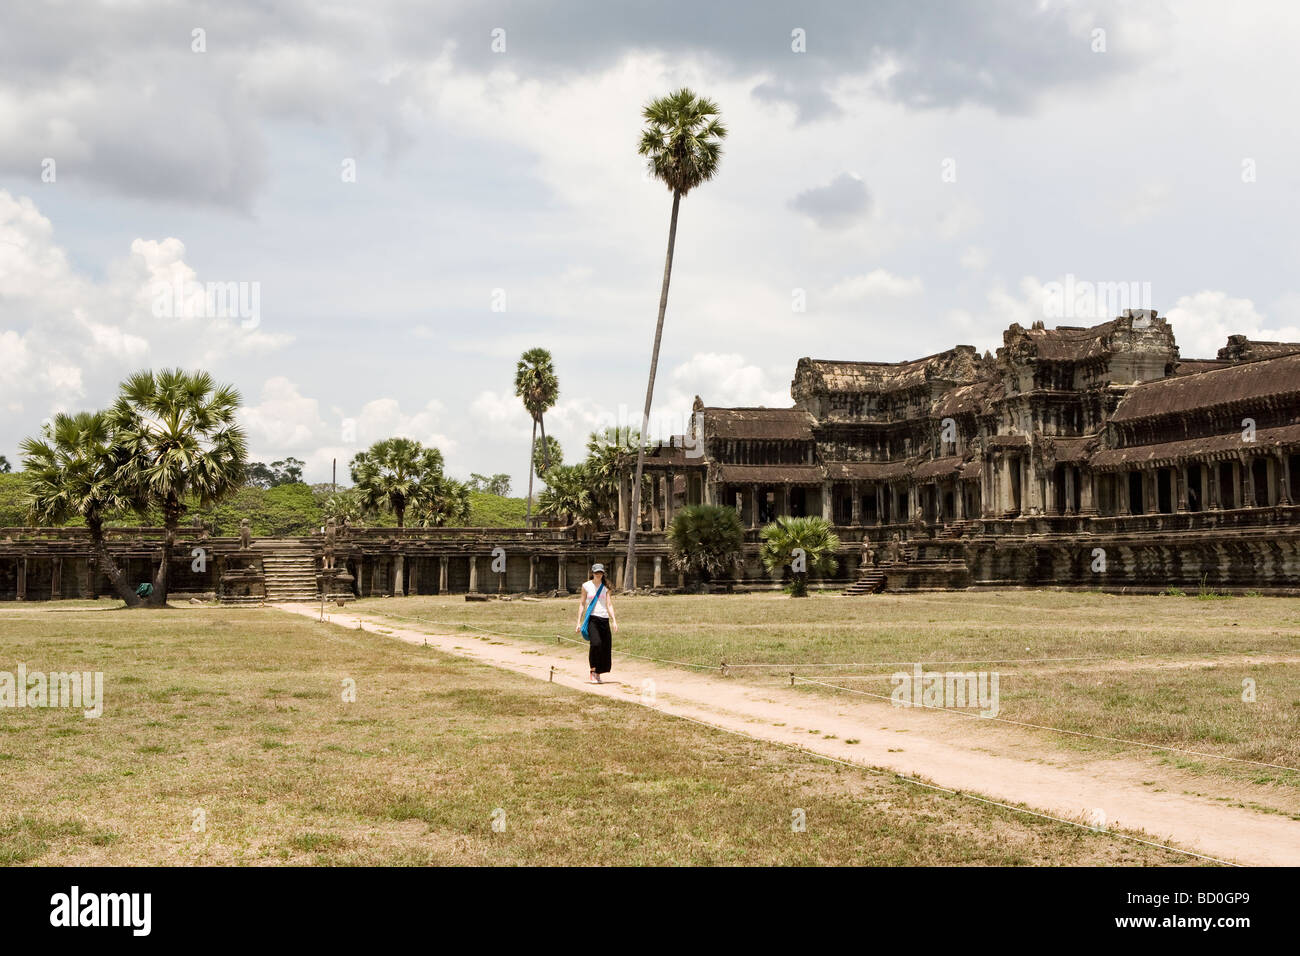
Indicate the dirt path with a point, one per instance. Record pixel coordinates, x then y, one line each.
965 755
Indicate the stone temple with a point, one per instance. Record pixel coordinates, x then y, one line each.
1076 457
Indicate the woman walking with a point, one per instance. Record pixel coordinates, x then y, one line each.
595 621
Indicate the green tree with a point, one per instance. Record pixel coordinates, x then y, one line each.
705 540
498 484
285 472
548 455
682 143
568 497
538 388
801 544
5 467
178 433
443 502
73 472
394 474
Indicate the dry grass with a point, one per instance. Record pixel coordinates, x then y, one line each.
1163 670
238 713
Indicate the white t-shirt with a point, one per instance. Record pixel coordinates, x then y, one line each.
601 609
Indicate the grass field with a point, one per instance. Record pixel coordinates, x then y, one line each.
238 713
1163 670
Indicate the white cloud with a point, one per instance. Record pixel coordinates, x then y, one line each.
876 284
69 339
1203 321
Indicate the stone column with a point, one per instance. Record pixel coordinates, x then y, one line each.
1210 470
623 505
1087 492
1181 476
443 563
399 573
959 500
22 579
828 502
56 578
657 504
1069 490
668 499
783 501
1270 479
532 573
659 571
753 508
83 579
1284 477
562 574
880 503
1247 482
856 507
620 561
473 573
1121 492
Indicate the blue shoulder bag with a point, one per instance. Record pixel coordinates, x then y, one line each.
591 607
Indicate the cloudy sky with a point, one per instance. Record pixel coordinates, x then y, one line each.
403 197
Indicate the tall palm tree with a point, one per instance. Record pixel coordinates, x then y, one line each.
812 536
73 473
395 474
682 145
537 386
180 442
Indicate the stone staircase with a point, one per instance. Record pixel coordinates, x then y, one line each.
954 530
290 573
868 583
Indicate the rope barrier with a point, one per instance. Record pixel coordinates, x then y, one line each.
957 793
863 767
1059 730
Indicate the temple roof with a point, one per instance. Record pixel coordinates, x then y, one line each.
1216 446
1246 382
976 398
1241 349
867 470
785 424
960 364
769 474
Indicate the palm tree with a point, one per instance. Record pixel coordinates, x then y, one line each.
444 501
548 454
180 442
395 474
568 496
5 467
682 145
812 536
73 473
536 384
705 540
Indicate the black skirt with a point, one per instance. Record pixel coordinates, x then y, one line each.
599 654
